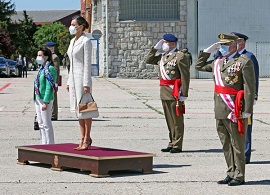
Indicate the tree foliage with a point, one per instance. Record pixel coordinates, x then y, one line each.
48 32
63 39
24 36
25 43
6 46
55 32
6 10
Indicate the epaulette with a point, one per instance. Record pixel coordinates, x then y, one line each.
245 57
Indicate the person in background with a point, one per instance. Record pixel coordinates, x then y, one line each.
25 67
79 79
56 62
20 64
241 42
66 62
174 86
34 64
234 94
44 90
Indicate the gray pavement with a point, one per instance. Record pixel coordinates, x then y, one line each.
130 118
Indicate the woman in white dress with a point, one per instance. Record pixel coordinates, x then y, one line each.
79 81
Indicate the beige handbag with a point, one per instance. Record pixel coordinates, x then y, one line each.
87 107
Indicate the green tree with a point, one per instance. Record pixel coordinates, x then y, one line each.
63 39
6 47
25 30
6 10
48 32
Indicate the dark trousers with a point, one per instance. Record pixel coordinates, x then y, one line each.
55 108
24 71
248 140
20 69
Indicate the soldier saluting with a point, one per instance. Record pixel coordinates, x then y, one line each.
174 84
234 80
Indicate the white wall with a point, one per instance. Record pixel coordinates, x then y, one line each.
245 16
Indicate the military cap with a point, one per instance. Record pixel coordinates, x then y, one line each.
50 44
170 38
225 38
240 35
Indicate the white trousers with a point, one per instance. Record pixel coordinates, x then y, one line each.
44 119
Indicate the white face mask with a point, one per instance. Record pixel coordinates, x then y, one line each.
72 30
40 60
165 47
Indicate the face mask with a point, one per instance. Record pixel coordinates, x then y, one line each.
72 30
165 47
40 60
224 50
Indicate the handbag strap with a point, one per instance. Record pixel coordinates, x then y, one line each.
84 94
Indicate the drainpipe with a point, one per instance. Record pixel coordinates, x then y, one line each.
107 41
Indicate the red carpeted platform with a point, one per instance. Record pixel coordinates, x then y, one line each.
98 160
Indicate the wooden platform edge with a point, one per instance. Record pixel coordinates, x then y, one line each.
84 156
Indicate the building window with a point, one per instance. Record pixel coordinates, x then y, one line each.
98 10
149 10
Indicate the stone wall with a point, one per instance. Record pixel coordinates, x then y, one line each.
130 41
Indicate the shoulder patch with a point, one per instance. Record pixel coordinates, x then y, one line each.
179 52
244 57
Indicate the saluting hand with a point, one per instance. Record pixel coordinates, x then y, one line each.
159 44
212 48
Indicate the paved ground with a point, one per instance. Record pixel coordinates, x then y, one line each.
130 118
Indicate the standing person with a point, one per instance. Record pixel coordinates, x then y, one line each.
66 62
234 95
79 80
25 67
174 85
45 88
20 64
188 56
241 42
34 64
56 62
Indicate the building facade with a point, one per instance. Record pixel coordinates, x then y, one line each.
134 26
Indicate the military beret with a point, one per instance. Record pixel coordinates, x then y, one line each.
170 38
225 38
242 36
50 44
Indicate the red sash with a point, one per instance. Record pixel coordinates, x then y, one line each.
175 92
238 106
